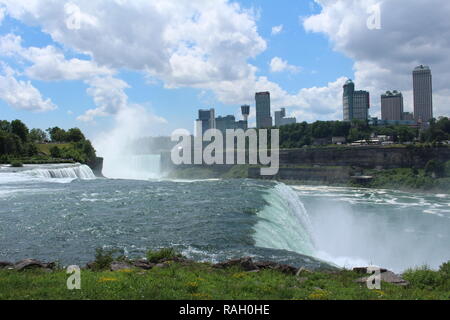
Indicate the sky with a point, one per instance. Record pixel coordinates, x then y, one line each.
153 63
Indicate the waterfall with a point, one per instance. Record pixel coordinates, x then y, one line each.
82 172
133 167
284 223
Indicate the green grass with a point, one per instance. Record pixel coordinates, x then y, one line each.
45 147
203 282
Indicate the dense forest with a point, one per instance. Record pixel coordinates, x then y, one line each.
19 143
304 134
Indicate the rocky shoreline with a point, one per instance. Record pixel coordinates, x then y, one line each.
246 264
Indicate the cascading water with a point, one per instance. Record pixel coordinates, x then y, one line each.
284 223
82 172
133 167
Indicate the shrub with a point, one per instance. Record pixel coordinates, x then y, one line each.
103 259
445 269
163 254
16 164
55 152
424 278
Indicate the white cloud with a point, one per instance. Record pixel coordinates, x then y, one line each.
49 63
109 97
277 29
279 65
412 33
22 95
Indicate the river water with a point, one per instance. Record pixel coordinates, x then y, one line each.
64 213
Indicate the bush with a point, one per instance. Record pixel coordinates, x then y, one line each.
16 164
55 152
163 254
424 278
435 168
445 269
103 259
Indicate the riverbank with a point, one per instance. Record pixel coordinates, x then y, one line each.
176 278
405 179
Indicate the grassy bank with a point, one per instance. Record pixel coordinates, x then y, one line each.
199 281
405 179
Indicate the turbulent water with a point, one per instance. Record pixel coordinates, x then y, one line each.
63 213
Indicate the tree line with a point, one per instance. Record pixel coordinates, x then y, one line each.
304 134
17 141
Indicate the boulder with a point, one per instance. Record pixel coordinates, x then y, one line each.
30 264
120 265
245 263
5 265
389 277
143 264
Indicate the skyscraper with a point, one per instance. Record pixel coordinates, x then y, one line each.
392 106
263 116
281 120
423 93
356 103
207 118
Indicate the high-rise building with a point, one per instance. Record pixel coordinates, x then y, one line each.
356 103
281 120
224 123
263 115
423 93
207 118
245 111
392 106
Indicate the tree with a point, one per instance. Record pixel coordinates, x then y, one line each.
55 152
5 126
57 134
435 169
75 135
37 136
20 129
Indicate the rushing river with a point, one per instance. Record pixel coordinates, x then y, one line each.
63 213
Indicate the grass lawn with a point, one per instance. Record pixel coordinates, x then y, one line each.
45 147
203 282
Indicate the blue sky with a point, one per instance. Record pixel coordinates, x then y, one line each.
168 63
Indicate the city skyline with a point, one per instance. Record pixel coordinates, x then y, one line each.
157 76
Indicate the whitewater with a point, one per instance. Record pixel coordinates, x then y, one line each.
63 212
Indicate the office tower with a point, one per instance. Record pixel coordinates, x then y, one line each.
263 116
224 123
423 93
245 112
392 106
356 104
207 119
408 116
281 120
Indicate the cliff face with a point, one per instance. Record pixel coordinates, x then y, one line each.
365 157
96 166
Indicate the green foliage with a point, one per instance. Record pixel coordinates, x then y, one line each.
16 164
438 131
200 281
424 278
57 134
55 152
162 254
435 169
20 129
37 136
103 259
74 135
